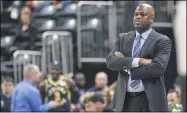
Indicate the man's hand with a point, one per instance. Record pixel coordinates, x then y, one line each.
144 61
119 54
54 104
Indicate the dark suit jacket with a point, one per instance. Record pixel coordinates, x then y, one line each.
156 47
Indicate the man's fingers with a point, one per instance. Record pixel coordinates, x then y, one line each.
118 54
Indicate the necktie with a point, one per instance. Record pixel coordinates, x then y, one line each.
135 83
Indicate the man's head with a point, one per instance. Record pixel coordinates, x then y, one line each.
7 86
32 72
173 97
25 15
95 103
143 17
71 84
55 70
80 80
101 80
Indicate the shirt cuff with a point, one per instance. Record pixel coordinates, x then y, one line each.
46 107
135 62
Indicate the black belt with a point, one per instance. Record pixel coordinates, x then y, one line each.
132 94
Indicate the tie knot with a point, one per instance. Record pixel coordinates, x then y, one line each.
139 37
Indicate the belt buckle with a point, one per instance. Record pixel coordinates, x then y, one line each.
133 94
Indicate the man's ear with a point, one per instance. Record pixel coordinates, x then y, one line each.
152 19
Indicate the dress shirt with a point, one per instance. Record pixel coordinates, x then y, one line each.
26 97
135 62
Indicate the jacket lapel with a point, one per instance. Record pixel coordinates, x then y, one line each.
129 43
147 41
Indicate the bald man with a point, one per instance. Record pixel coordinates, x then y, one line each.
26 97
101 81
141 57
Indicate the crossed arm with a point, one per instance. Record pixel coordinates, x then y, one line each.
148 68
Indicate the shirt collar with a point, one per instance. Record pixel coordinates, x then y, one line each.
29 82
144 34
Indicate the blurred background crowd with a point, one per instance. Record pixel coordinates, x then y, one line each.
78 36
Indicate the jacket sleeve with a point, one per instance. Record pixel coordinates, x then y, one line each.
159 63
117 63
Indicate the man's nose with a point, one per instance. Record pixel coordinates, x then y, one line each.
138 17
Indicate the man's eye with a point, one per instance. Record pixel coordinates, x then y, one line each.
136 14
142 14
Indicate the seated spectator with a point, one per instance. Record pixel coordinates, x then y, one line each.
112 89
174 99
75 95
7 86
83 99
25 32
96 103
80 82
56 3
108 97
101 81
32 4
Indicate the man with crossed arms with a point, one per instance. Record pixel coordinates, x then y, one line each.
141 57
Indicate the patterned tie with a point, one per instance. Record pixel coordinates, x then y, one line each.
136 52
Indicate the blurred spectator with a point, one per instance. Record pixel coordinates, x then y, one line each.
96 103
7 86
75 95
112 89
101 81
26 96
55 88
83 99
173 97
174 100
25 32
58 4
80 82
177 86
32 4
107 96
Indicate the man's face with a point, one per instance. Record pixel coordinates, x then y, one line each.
142 18
80 80
173 98
7 87
55 72
90 107
101 81
94 107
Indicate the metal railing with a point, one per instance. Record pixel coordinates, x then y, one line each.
57 46
96 30
23 57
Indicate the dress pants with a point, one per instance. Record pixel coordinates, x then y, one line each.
136 103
